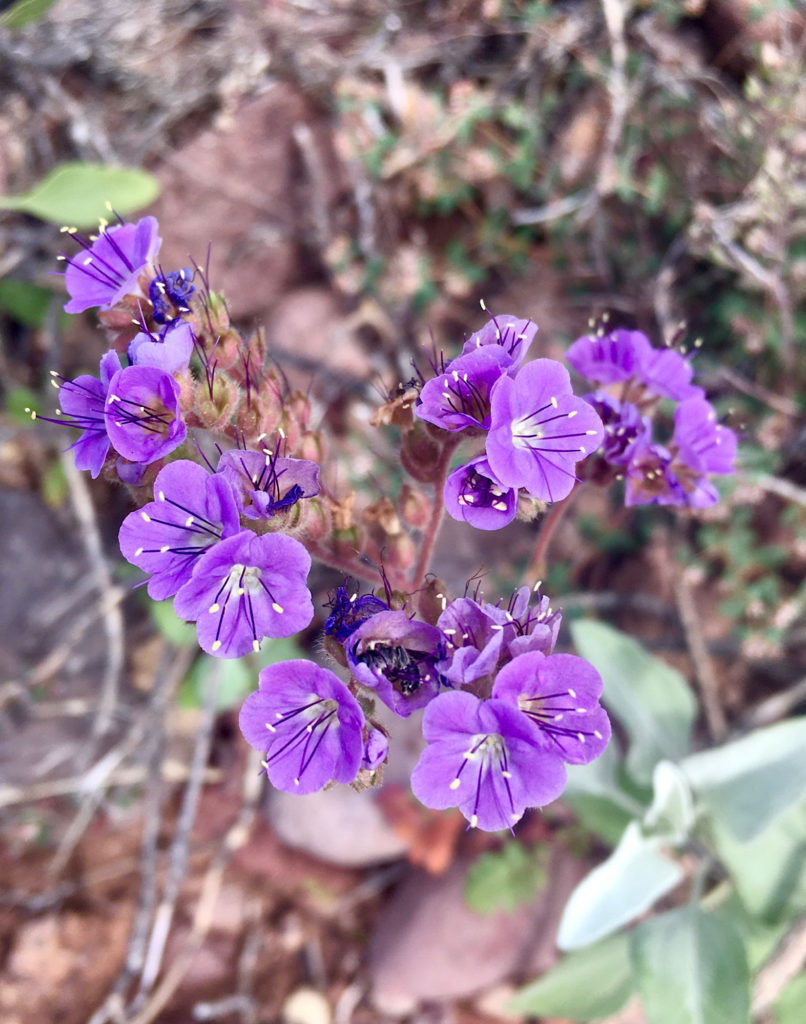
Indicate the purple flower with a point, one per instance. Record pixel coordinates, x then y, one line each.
474 635
348 609
396 656
112 262
485 758
266 483
608 358
510 333
309 725
170 350
624 426
650 477
245 588
560 695
458 398
626 355
169 294
539 430
142 414
531 626
82 402
474 495
192 511
702 443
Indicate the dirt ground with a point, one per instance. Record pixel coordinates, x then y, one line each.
364 173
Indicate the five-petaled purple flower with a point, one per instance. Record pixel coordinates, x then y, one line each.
308 724
110 265
539 430
267 483
193 510
486 758
142 414
246 588
82 402
474 495
458 398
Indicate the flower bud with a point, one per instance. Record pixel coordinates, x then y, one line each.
336 650
316 522
420 453
415 507
216 411
432 601
400 551
311 447
298 405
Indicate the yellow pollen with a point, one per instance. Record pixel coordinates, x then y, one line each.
214 608
270 727
255 646
164 548
189 521
554 401
278 608
146 517
216 645
138 552
474 821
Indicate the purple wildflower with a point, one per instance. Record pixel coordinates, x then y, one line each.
142 414
474 495
702 443
458 398
82 402
533 625
624 427
111 264
474 635
666 372
608 358
309 725
348 609
396 656
170 350
169 294
539 430
192 511
650 478
266 483
512 334
560 695
245 588
485 758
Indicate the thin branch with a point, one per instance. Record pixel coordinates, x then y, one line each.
700 657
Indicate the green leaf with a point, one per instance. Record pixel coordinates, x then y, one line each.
27 303
672 812
19 399
25 11
651 699
237 678
760 939
174 629
691 968
624 886
585 985
749 783
77 193
788 1008
595 794
769 871
505 879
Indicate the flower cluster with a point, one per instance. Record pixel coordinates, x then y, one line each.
218 541
227 524
535 429
675 473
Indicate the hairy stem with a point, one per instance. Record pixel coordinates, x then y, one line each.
432 530
536 568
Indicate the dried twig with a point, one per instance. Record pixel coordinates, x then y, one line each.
113 619
786 963
700 657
